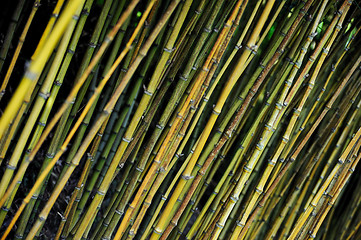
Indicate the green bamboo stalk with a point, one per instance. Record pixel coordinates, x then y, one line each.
58 82
32 74
9 36
70 97
49 167
301 145
40 101
77 100
109 106
216 111
18 48
285 138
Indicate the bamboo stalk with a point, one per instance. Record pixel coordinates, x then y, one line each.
32 74
18 48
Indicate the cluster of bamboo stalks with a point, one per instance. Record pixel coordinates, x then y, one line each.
184 119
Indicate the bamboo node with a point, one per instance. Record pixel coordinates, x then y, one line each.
147 92
120 213
92 45
183 78
85 12
71 102
157 232
126 140
314 34
239 224
168 50
252 49
75 17
259 146
18 236
204 69
234 199
285 139
207 30
215 112
57 83
45 96
312 235
237 47
159 127
5 209
101 193
271 162
246 169
218 225
187 177
31 75
268 126
10 167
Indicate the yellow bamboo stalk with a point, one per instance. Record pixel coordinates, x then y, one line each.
18 47
112 168
164 147
341 160
74 91
334 195
39 103
216 111
82 149
35 68
153 84
286 136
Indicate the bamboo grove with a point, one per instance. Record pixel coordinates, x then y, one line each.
180 119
